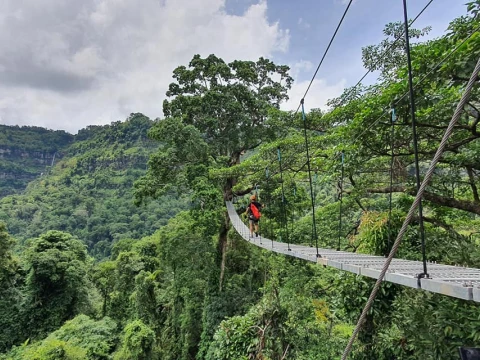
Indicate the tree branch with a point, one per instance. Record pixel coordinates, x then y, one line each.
432 126
461 78
451 148
252 147
474 108
475 123
351 179
285 352
356 199
471 177
243 192
441 224
435 222
465 205
360 204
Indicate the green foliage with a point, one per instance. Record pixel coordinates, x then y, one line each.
137 343
80 338
187 253
236 339
88 192
7 263
377 232
98 338
11 316
26 152
33 138
56 284
376 57
218 111
10 295
290 321
128 265
444 324
54 349
103 276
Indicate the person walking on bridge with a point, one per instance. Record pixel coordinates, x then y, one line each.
253 213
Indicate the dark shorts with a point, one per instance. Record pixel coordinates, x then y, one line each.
252 220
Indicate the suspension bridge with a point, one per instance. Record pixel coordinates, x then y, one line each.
455 281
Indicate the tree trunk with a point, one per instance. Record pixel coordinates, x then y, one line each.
222 248
366 337
222 239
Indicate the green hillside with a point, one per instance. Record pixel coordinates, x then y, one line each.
26 152
88 192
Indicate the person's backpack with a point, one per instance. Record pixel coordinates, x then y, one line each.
256 214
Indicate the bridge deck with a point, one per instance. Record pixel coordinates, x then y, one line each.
455 281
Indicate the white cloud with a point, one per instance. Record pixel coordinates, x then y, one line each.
302 66
318 95
75 63
302 24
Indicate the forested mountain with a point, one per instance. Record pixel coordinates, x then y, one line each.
89 190
102 259
27 152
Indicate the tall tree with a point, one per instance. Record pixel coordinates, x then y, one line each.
56 281
390 53
7 264
10 296
217 112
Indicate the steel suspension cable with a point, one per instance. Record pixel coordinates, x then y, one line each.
415 139
419 82
325 53
314 198
392 157
386 51
268 219
257 196
293 207
369 71
312 195
426 180
285 220
432 70
341 203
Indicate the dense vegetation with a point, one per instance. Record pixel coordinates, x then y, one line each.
190 288
26 152
89 194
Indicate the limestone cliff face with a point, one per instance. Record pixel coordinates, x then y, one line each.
40 157
18 167
26 153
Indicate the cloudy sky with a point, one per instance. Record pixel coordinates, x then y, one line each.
66 64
